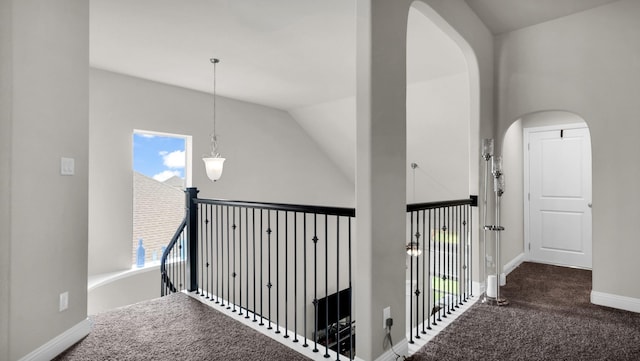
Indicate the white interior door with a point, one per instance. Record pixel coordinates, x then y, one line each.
559 196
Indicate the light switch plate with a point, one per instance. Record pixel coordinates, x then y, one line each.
64 301
67 166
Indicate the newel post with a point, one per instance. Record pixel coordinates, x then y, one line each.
192 237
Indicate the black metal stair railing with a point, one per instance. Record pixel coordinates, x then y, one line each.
440 277
286 267
172 264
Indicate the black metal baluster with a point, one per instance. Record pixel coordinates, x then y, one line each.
246 260
211 253
218 263
338 286
174 276
304 272
452 270
295 277
200 249
417 292
465 253
459 266
463 249
430 291
286 274
175 266
471 250
239 210
232 297
469 255
206 248
425 267
326 281
454 247
229 274
277 271
351 355
253 236
223 231
447 284
261 268
440 262
315 281
410 278
269 285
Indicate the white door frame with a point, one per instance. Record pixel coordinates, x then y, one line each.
525 151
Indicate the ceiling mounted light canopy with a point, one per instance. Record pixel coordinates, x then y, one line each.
214 163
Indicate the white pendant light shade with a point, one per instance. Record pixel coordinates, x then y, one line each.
413 249
213 165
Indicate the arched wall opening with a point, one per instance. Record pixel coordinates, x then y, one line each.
514 248
462 124
381 152
442 125
438 113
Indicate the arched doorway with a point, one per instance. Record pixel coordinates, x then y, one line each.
549 153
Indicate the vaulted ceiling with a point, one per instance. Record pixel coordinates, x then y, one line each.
295 55
281 53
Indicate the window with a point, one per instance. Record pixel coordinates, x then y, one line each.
161 171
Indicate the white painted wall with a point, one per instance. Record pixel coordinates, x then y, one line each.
438 125
269 156
132 287
512 211
437 120
587 64
6 82
45 56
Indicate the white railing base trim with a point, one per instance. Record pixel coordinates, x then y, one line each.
436 329
306 351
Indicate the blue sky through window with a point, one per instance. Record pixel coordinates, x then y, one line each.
157 156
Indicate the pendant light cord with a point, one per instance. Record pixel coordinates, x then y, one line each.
214 139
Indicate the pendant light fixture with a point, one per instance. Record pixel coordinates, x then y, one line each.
213 163
413 248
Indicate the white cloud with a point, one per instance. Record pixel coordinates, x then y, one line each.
164 175
146 135
175 159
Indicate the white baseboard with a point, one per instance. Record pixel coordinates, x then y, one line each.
60 343
513 264
401 348
615 301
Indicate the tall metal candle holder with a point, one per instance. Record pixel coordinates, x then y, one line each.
487 154
492 291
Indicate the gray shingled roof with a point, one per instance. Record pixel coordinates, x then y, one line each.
158 209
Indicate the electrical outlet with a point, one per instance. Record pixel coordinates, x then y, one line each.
64 301
386 313
67 166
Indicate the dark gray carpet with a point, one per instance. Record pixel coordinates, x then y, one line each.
175 327
549 318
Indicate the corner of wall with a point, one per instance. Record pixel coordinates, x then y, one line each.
6 83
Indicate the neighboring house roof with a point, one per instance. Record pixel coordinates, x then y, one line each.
175 181
158 209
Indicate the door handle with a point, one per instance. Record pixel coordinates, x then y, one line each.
589 205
